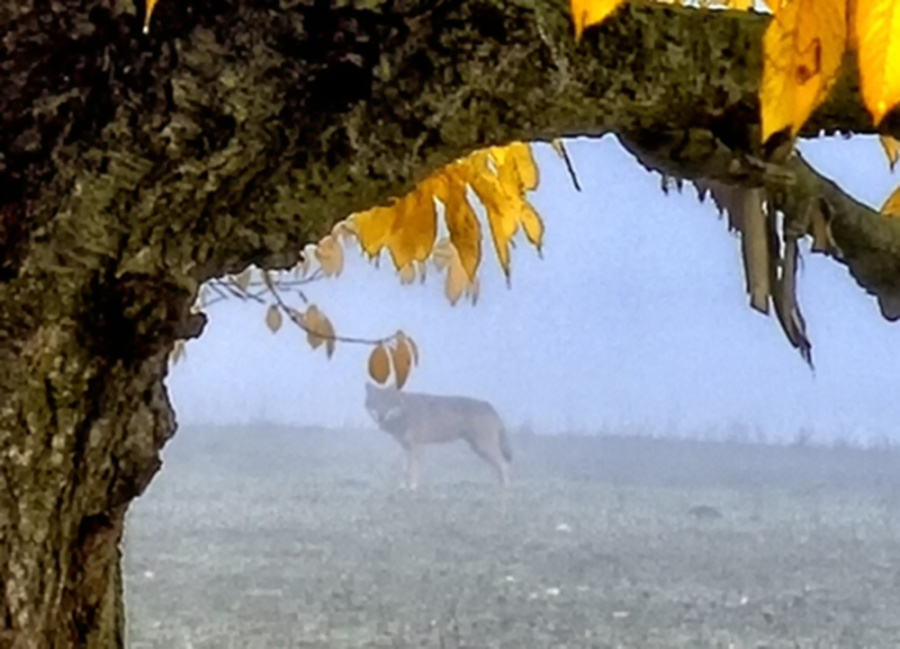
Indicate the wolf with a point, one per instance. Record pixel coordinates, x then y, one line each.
416 419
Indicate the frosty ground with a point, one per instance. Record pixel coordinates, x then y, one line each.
265 537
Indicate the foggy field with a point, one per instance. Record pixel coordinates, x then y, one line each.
290 538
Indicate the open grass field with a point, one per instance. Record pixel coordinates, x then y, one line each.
300 538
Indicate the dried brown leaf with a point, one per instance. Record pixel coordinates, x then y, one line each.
273 318
312 321
330 255
402 360
379 365
243 280
755 249
308 254
344 231
819 229
179 351
402 338
457 279
407 274
891 149
268 281
442 254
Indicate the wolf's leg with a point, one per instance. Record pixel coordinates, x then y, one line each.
488 449
413 457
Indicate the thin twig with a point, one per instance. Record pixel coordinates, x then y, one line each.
228 285
342 339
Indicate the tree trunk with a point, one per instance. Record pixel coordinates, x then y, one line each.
133 168
83 415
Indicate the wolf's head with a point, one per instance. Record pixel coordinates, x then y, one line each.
383 404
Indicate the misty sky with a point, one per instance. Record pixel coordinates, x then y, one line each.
634 319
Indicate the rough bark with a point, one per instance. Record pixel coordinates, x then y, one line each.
133 168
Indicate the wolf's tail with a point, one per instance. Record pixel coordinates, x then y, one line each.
505 447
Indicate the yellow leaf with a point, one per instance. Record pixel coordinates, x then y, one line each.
306 257
503 197
740 5
591 12
442 254
406 228
457 279
515 166
891 149
407 274
148 14
402 362
330 256
462 222
379 365
403 339
891 206
878 43
273 318
319 330
499 176
803 49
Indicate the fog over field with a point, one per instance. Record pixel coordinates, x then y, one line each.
680 478
634 316
300 537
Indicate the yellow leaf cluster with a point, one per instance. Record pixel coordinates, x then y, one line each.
804 47
399 357
407 228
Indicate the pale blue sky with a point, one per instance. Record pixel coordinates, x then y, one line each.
635 317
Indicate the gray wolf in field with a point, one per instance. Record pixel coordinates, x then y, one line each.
418 419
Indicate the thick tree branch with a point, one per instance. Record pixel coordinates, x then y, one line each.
266 123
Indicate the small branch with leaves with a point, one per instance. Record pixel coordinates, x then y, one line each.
392 355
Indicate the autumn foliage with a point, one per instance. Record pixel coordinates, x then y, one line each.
805 46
